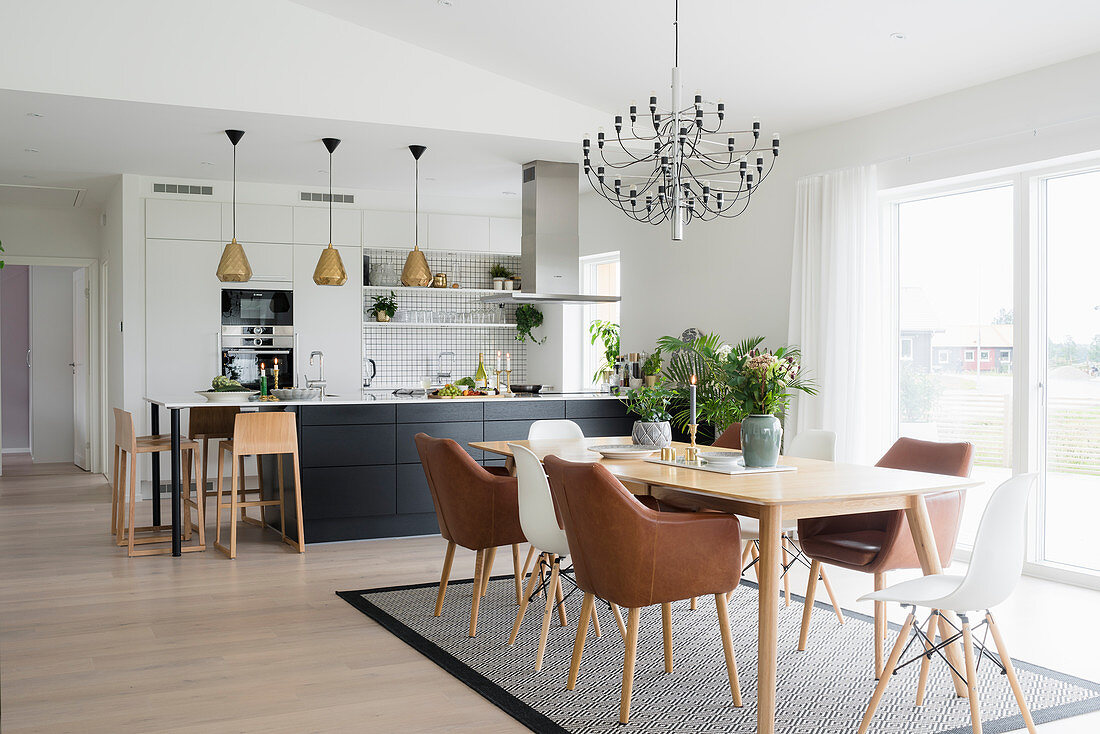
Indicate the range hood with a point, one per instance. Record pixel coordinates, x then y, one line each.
550 238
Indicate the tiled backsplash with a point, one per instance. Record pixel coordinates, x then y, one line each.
406 353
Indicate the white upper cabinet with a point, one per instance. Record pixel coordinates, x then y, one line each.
392 229
329 319
171 219
259 223
270 263
504 235
458 232
311 226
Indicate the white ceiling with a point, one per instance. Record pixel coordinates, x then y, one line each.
795 64
80 140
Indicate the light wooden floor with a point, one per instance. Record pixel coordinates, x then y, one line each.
93 641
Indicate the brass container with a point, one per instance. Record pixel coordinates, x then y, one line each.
691 454
382 317
234 267
439 281
330 268
416 272
668 453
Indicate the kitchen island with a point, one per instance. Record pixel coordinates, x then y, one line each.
361 475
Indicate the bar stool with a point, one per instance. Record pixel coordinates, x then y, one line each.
127 448
259 434
215 423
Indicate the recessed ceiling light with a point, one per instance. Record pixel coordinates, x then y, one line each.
508 193
429 178
445 3
30 150
35 114
898 36
206 163
322 170
27 175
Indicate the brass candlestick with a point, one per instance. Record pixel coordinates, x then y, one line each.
692 451
497 373
508 382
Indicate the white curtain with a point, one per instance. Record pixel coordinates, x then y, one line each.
842 312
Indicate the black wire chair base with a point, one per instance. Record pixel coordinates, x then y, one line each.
931 648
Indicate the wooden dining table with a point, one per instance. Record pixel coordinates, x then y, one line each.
778 499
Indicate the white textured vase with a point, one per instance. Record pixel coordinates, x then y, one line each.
652 434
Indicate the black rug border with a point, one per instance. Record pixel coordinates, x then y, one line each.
540 723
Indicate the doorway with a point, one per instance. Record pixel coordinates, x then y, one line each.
44 386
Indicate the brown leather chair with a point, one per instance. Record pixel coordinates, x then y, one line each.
730 438
632 556
477 508
877 542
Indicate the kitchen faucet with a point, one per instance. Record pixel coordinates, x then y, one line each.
444 374
320 381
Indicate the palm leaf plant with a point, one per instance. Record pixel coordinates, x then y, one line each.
607 333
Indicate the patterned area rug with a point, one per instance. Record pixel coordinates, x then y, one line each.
822 691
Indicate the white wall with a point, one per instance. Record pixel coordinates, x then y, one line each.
15 339
51 352
49 232
734 276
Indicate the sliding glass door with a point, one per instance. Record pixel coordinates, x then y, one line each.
955 347
1070 413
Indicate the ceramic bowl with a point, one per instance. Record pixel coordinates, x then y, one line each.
722 458
297 393
237 396
625 451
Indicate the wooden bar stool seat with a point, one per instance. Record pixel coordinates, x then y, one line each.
127 448
258 434
215 423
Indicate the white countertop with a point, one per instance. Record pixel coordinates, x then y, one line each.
366 397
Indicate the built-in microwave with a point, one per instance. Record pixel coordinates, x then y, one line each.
255 307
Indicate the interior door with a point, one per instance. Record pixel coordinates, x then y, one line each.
51 371
81 444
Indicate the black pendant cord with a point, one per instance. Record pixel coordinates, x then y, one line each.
416 206
330 199
676 35
234 192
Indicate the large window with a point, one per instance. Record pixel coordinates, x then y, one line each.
599 277
999 344
955 300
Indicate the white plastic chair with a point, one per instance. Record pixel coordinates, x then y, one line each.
809 444
560 428
540 525
995 566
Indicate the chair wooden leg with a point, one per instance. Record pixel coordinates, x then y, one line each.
476 592
260 479
527 562
1011 672
971 679
204 459
633 620
188 526
525 601
298 502
444 577
123 479
587 608
694 603
756 557
563 620
832 596
282 494
515 571
926 661
487 571
786 576
236 475
746 554
218 502
619 620
548 613
133 499
242 485
666 629
808 605
727 647
884 679
114 493
880 625
200 510
596 622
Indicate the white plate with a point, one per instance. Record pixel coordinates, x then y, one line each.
723 458
624 451
236 396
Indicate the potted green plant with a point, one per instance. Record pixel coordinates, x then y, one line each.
499 274
650 404
651 368
384 307
528 318
762 383
607 333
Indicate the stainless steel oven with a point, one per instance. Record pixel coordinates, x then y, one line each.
248 349
254 307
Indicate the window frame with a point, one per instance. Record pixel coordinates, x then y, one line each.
588 269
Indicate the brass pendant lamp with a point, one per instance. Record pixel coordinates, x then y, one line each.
416 271
330 268
234 267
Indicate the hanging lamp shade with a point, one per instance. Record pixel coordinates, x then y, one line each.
416 272
330 267
234 267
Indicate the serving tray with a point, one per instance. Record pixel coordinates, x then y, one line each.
728 469
468 397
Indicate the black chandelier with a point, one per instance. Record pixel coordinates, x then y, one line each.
694 171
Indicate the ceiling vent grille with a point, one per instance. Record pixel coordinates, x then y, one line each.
323 196
170 188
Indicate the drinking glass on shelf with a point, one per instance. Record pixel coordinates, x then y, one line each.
401 315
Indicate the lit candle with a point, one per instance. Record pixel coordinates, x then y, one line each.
276 373
692 388
263 379
498 360
508 362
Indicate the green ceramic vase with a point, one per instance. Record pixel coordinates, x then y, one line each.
761 436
